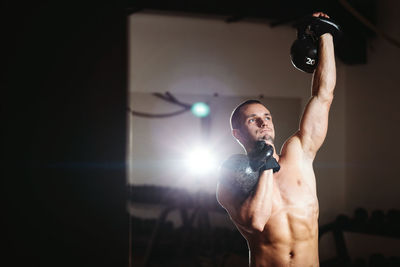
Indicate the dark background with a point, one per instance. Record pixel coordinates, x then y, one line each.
63 134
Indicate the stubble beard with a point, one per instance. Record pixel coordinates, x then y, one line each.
250 141
267 138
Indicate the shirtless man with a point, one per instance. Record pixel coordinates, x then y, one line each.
279 217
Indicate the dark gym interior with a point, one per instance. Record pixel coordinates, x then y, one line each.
65 131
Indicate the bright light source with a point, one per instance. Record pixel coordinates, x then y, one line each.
200 109
201 161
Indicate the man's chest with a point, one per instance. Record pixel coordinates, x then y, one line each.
294 211
294 185
295 208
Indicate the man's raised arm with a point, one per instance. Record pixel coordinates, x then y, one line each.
314 123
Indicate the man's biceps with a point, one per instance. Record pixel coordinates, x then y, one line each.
233 211
232 205
316 107
313 126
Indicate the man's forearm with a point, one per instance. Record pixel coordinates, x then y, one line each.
256 210
324 79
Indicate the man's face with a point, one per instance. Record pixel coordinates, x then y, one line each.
256 124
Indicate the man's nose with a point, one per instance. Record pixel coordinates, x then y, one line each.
261 122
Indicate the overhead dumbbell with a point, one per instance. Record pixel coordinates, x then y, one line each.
304 50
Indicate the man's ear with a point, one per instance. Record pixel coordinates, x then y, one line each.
236 133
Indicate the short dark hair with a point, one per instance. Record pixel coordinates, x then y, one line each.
235 117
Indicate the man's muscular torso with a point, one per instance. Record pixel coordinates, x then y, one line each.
290 236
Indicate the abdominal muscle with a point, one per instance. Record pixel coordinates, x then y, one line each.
290 237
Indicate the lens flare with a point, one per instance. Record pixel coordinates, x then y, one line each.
201 161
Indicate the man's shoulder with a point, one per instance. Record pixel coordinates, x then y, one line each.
293 152
292 146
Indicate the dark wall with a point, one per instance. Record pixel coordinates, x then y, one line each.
64 135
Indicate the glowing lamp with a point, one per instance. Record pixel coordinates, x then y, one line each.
200 109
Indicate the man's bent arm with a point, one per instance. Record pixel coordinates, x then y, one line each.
314 123
253 213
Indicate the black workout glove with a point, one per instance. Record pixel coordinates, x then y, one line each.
261 157
241 173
